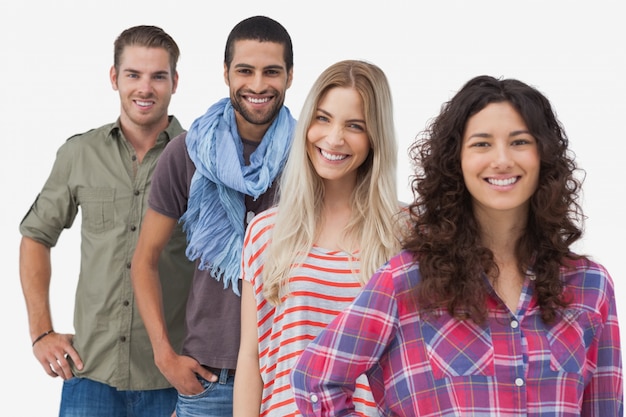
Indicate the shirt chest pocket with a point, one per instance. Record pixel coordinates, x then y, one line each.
98 208
458 347
570 338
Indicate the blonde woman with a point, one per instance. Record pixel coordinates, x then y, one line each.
306 259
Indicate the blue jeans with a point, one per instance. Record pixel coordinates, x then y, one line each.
83 397
215 401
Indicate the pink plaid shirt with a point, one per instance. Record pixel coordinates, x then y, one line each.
514 365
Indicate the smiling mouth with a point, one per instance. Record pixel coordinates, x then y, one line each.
502 182
258 100
142 103
332 157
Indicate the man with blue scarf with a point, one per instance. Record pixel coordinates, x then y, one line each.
213 179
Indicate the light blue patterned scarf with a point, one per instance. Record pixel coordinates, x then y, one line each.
214 220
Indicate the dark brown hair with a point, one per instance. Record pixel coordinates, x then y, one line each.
262 29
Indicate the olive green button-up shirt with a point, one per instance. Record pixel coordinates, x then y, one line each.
97 174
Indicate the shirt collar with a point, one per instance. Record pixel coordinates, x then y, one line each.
173 129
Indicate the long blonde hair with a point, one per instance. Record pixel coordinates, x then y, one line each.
374 201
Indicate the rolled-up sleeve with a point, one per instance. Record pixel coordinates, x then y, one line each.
55 207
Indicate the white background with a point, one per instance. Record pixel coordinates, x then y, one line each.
55 58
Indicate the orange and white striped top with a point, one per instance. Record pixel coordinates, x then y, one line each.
324 285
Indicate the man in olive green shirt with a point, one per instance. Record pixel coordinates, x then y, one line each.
107 365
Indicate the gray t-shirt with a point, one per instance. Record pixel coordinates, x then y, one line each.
213 313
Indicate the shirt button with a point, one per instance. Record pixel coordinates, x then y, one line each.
133 228
519 382
314 398
125 303
136 192
514 324
127 265
123 339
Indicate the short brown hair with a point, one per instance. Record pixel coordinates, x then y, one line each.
148 36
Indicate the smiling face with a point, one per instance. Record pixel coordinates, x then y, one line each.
499 159
337 139
258 80
145 85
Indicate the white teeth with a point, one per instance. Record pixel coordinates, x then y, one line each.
332 157
501 183
144 103
258 100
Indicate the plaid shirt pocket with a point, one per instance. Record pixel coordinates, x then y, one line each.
458 347
570 338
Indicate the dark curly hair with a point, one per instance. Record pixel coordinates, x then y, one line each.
444 235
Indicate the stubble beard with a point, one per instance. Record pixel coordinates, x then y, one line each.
240 105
